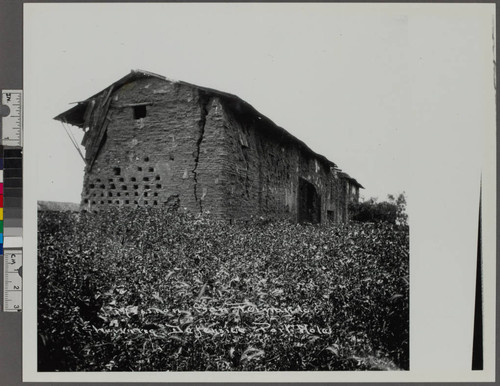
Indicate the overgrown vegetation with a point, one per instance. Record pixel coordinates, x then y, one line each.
144 290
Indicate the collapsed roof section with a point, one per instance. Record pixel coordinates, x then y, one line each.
77 115
91 116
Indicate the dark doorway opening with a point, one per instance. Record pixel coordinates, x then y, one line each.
309 203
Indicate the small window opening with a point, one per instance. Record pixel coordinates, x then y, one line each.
139 112
151 169
109 201
121 179
155 202
112 186
136 187
139 169
146 194
110 194
118 194
117 202
93 202
145 203
136 194
146 187
155 194
127 202
86 201
110 180
145 179
158 186
133 179
146 159
124 187
92 186
102 186
117 171
135 202
157 178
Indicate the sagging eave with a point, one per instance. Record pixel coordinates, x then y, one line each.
93 114
75 115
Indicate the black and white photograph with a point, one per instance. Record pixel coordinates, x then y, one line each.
235 188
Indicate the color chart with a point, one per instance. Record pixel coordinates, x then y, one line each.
11 197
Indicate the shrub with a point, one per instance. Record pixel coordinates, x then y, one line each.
392 211
148 290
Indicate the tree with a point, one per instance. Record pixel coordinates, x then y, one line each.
392 211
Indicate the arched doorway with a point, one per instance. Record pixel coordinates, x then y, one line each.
309 203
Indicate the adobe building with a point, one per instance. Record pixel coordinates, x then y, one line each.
151 141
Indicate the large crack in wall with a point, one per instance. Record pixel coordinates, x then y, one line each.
204 101
247 171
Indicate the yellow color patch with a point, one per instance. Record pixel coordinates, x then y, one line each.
1 213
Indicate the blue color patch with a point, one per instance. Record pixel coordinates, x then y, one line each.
1 238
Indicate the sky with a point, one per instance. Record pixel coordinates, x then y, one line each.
335 78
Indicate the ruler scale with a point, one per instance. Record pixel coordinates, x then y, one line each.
12 124
11 200
13 285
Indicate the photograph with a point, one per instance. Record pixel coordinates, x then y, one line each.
235 188
208 238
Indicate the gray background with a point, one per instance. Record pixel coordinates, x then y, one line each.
11 65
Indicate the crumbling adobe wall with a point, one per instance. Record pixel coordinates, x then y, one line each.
173 144
169 157
262 171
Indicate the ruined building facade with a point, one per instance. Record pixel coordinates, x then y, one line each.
155 142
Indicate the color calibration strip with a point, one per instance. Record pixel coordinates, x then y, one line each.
11 196
12 193
11 211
